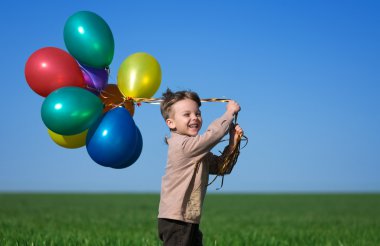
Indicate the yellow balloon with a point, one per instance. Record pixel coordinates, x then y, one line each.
69 141
139 76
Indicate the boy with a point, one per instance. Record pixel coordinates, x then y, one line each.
189 164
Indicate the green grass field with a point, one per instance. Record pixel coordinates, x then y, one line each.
130 219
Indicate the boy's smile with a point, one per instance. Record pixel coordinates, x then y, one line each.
185 118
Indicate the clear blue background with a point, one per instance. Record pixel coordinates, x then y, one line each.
306 73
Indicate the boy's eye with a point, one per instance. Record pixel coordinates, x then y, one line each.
186 115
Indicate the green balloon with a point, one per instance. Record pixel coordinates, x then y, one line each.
71 110
89 39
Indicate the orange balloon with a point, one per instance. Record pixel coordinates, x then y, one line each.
112 98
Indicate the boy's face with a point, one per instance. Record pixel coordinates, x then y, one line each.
185 118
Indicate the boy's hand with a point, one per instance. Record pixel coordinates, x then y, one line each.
233 107
236 133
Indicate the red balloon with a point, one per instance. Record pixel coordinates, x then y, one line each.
51 68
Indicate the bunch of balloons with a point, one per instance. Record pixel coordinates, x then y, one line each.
80 107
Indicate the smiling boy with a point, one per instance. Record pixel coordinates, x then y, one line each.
189 163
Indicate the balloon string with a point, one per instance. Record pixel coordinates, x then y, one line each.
107 94
229 159
159 100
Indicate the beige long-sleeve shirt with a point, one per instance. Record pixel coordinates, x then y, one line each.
186 176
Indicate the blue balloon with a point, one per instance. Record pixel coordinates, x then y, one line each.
111 142
136 153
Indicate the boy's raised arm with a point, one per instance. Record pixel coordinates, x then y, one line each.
200 145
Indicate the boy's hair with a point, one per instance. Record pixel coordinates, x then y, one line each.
169 98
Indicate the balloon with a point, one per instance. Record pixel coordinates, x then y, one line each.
112 98
89 39
51 68
139 76
71 110
70 141
136 153
95 78
112 141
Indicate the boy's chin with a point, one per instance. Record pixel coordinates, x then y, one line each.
192 133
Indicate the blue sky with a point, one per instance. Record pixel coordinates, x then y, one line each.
306 74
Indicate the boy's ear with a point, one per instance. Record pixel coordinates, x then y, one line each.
170 123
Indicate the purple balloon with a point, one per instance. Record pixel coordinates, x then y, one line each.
96 79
